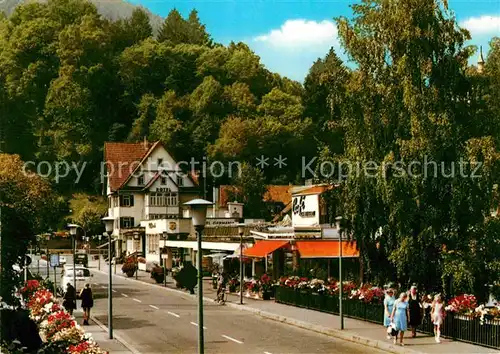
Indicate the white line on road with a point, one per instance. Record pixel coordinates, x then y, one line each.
125 295
267 353
96 284
154 307
196 324
113 290
234 340
137 300
173 314
104 287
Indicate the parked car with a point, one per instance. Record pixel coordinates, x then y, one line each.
83 276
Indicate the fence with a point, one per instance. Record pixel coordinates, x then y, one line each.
457 327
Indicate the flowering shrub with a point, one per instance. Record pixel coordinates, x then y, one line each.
130 265
462 304
57 328
487 314
368 294
266 283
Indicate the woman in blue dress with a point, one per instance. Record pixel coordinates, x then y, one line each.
388 306
400 316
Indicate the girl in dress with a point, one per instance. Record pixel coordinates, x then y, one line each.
399 316
437 316
388 306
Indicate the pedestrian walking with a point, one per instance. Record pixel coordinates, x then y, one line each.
400 315
388 307
87 302
437 316
69 299
415 307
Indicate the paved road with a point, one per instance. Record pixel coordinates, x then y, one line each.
155 320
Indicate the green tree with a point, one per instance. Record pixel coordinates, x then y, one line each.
177 30
87 211
409 101
250 186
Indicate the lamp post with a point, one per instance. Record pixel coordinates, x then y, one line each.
99 261
240 232
199 215
136 238
72 230
341 313
108 223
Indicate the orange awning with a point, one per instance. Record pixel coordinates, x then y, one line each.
263 248
326 249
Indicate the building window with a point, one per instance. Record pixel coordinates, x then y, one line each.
140 180
163 180
116 201
160 164
153 243
110 202
126 222
126 200
180 180
163 199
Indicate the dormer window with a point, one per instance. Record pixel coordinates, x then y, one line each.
140 180
180 180
160 164
163 180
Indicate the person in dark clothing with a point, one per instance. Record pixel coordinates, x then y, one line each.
87 302
415 307
188 275
69 302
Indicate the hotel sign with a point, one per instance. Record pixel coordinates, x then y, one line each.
221 222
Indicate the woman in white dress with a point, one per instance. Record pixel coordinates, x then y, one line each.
437 316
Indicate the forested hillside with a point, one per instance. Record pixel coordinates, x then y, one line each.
71 79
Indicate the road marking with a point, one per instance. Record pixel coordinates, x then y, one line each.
96 284
113 290
104 287
125 295
173 314
154 307
267 353
196 324
234 340
137 300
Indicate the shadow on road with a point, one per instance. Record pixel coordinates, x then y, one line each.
124 322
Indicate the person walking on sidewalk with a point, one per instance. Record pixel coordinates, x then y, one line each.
69 302
415 307
87 302
400 315
388 306
437 316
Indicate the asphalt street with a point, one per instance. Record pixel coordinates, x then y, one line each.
155 320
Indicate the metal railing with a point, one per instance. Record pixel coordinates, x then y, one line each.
458 327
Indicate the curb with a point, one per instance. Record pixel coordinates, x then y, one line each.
116 337
372 343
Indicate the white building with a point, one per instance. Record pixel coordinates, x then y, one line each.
146 189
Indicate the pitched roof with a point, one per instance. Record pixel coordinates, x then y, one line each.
317 189
274 193
121 160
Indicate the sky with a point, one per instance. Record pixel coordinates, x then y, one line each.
289 35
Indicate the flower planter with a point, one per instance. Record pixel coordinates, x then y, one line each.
266 295
130 273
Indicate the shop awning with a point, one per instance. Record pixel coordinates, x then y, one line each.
326 249
263 248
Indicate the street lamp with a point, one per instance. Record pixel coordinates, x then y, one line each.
136 238
99 237
72 230
240 232
108 223
199 215
341 313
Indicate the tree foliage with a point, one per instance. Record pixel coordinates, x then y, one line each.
411 108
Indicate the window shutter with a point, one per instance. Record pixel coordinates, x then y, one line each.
132 221
121 200
131 200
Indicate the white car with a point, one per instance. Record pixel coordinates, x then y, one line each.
83 276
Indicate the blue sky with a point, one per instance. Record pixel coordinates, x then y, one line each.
290 35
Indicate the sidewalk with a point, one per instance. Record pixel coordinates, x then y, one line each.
362 332
100 335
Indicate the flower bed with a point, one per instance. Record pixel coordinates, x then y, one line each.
464 320
57 328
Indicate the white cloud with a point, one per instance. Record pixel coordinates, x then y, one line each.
483 25
301 34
